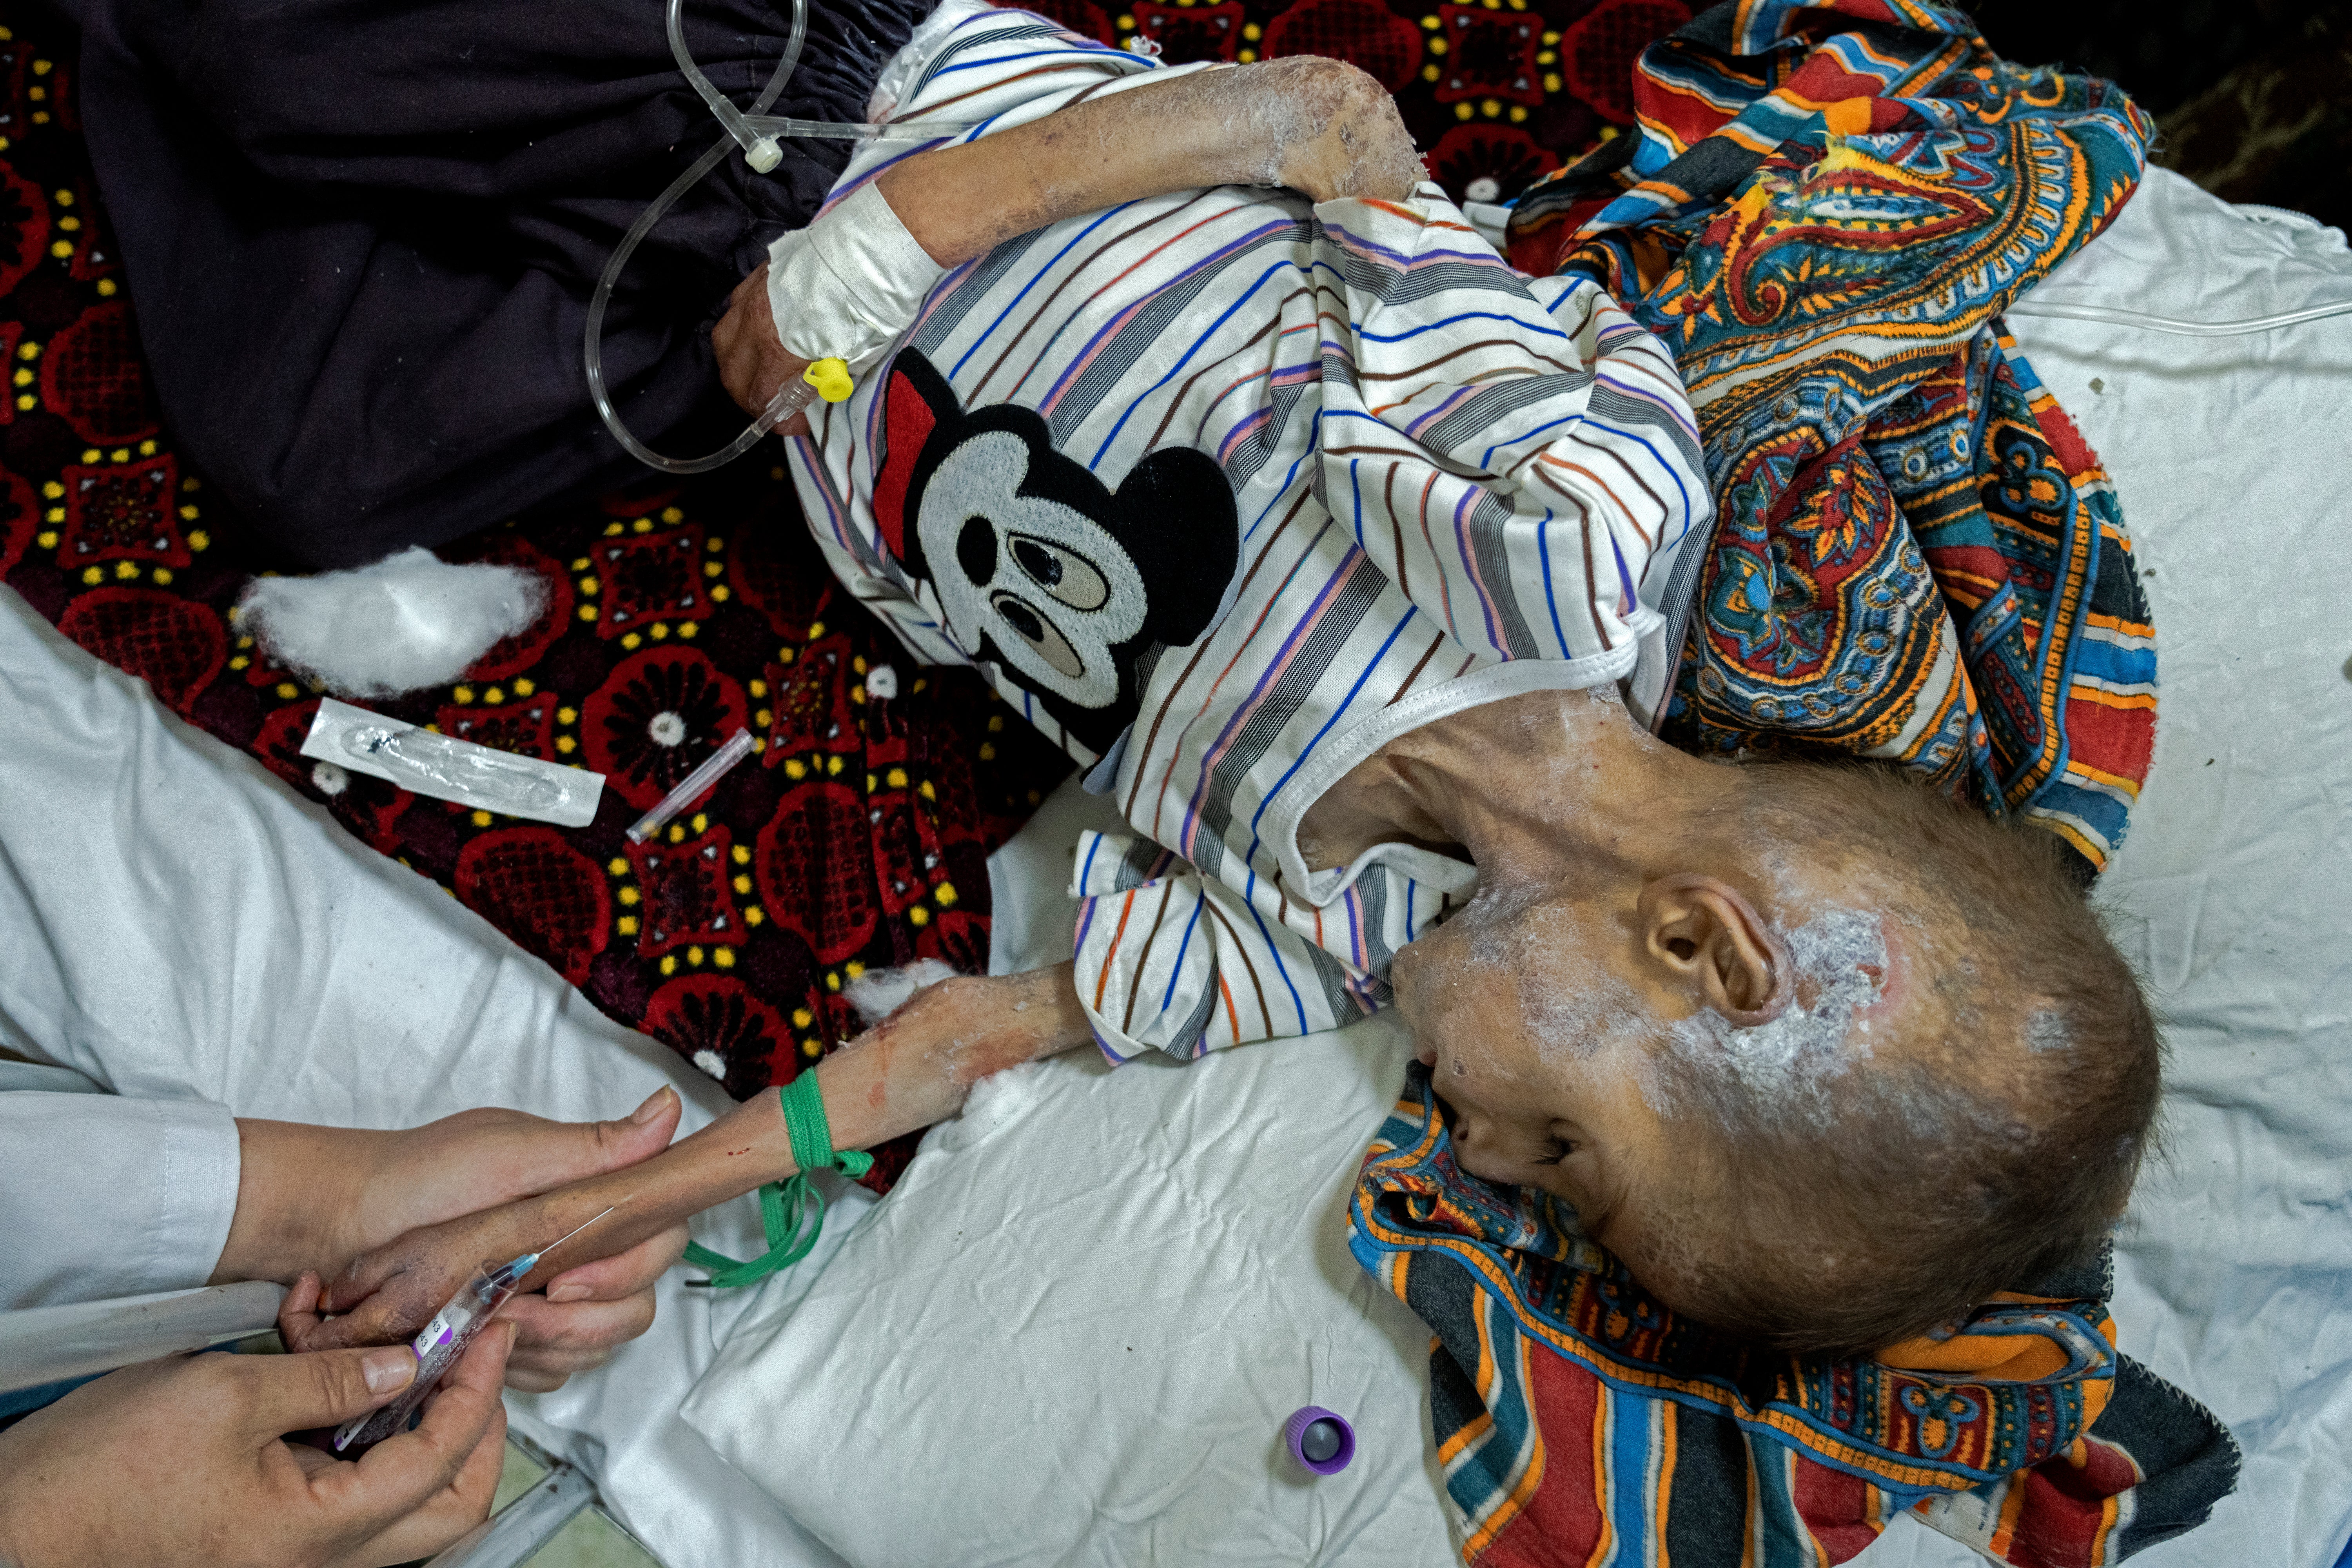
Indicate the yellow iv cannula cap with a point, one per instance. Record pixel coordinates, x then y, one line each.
831 379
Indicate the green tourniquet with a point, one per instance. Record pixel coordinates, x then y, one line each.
791 1212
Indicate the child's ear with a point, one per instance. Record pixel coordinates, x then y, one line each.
1702 931
917 401
1174 516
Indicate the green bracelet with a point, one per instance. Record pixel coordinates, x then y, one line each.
792 1212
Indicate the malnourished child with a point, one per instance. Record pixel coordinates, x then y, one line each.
1353 565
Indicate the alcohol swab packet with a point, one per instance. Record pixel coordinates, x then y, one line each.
693 786
445 768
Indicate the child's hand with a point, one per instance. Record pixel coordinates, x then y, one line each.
607 1273
601 1294
390 1294
1358 145
753 363
909 1071
391 1188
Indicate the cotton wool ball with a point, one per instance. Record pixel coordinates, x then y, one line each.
1001 1096
878 993
406 622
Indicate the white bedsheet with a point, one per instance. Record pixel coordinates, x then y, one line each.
1074 1331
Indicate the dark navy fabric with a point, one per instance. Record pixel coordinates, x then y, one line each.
362 238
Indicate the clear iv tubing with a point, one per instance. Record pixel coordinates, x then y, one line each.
2175 325
755 134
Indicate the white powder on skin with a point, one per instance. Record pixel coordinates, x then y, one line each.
2045 1031
1574 1003
1270 111
899 74
1786 1067
878 993
1290 105
1298 117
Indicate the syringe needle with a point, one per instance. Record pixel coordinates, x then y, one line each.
575 1230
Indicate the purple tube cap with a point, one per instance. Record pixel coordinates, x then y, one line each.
1314 1430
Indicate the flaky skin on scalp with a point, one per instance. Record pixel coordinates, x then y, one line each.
1992 1142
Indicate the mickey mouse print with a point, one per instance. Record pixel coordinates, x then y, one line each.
1054 582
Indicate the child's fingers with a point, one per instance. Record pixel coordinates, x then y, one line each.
560 1340
524 1378
580 1325
360 1278
378 1312
304 1324
298 1315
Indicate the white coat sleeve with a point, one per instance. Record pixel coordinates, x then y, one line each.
104 1196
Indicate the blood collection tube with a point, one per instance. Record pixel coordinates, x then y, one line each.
438 1348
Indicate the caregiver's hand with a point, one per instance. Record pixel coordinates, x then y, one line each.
323 1197
752 362
182 1461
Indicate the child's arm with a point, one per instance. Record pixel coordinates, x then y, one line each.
1320 126
909 1071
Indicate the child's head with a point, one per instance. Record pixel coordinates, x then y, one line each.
1868 1061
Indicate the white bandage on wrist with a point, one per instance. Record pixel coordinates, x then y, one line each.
848 284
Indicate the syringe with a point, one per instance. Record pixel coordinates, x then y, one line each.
446 1337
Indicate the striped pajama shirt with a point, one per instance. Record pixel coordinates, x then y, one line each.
1224 490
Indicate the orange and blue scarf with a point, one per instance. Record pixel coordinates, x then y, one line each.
1917 558
1579 1422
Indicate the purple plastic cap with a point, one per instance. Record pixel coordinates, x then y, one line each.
1328 1428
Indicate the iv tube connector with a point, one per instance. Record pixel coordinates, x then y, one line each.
756 134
